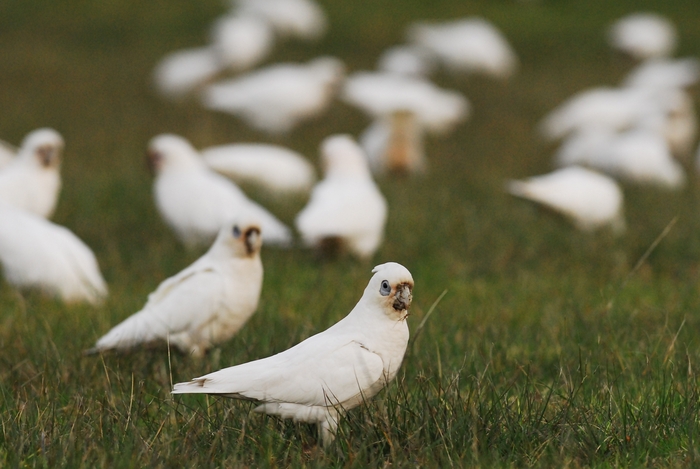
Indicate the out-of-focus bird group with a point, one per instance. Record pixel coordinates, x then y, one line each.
642 131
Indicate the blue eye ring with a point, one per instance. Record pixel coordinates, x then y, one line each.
385 288
236 231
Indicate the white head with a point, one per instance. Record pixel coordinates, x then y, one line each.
390 289
42 147
169 151
240 239
341 156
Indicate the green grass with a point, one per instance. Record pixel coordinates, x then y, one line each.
547 350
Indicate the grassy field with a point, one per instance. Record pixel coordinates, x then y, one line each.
550 348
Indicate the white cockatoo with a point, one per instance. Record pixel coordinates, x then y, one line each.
331 372
273 167
591 200
643 36
471 45
406 60
203 305
32 180
664 74
7 153
302 19
278 97
380 94
180 72
196 202
36 253
346 206
637 155
394 143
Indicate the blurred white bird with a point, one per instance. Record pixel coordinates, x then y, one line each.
643 35
394 143
275 168
406 60
637 155
346 206
196 202
591 200
205 304
179 73
36 253
32 180
380 94
471 45
302 19
331 372
7 153
664 74
276 98
241 42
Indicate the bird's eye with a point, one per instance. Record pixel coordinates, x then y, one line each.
236 231
385 288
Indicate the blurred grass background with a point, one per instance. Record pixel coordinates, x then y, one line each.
536 356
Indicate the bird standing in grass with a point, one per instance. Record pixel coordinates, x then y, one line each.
330 372
203 305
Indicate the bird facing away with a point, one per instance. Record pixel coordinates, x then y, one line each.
32 180
394 143
643 36
36 253
346 205
591 200
273 167
203 305
196 201
333 371
276 98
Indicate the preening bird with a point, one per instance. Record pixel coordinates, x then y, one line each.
203 305
643 36
346 206
32 180
273 167
196 202
471 45
302 19
333 371
381 94
591 200
276 98
36 253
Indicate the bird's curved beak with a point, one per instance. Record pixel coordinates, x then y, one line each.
251 240
402 297
47 155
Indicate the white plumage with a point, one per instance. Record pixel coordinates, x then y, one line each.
638 155
276 98
471 45
32 180
203 305
380 94
179 73
241 42
643 35
302 19
346 205
196 202
394 143
664 74
330 372
7 153
591 200
36 253
277 169
406 60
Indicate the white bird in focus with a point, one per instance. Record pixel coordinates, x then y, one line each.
405 60
591 200
273 167
302 19
205 304
276 98
637 155
380 94
331 372
32 179
196 202
346 206
394 143
643 36
36 253
470 45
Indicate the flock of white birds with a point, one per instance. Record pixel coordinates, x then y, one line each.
635 132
